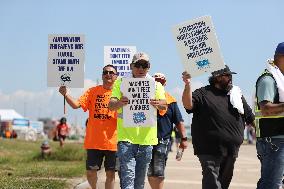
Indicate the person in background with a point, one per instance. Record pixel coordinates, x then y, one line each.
250 134
135 143
269 111
62 130
14 134
101 133
165 120
7 133
220 113
45 149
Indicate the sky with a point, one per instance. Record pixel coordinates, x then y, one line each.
248 33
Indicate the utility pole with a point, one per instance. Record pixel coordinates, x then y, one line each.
25 104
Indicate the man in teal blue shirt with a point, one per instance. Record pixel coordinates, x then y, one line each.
270 122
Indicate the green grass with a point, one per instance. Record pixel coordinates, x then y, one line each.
21 165
17 182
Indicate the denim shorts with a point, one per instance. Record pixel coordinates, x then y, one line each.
159 159
95 159
134 161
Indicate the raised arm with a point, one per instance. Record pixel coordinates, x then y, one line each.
187 93
69 99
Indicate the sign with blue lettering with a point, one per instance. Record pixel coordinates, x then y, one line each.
20 122
66 56
139 112
198 46
120 57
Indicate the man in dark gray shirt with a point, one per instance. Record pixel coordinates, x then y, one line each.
217 126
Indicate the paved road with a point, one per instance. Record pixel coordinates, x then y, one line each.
187 172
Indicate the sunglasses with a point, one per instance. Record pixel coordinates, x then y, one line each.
109 73
227 75
160 80
143 65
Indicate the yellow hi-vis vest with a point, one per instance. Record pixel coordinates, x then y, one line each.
266 124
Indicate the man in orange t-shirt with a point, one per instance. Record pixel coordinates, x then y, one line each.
101 134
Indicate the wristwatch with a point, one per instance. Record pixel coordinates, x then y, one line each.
184 138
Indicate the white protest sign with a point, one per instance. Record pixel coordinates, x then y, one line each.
66 56
138 112
198 46
120 57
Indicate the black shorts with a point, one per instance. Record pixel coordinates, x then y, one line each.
95 159
61 137
160 154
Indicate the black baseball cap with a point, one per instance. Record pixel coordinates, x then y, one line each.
223 71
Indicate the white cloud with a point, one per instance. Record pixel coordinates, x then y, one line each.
178 90
177 93
77 92
48 103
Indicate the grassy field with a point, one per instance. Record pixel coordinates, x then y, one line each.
21 165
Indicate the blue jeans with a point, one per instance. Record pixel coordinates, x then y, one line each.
134 160
271 154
